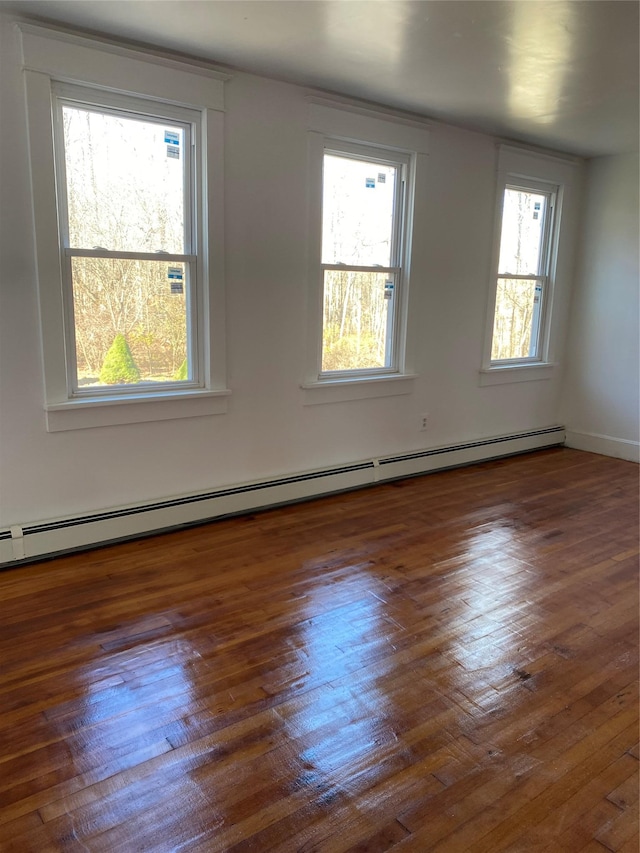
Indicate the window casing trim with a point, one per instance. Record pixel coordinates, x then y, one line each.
49 61
339 130
72 58
527 171
388 135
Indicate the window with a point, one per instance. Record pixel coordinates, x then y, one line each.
128 210
367 181
126 158
362 256
536 218
523 273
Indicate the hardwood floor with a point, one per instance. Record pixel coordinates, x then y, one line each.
446 663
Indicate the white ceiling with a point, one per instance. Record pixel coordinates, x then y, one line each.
558 73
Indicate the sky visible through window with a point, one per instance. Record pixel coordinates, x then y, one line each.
523 219
358 209
126 182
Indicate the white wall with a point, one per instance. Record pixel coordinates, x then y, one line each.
268 430
600 405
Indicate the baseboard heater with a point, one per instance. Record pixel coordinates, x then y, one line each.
21 543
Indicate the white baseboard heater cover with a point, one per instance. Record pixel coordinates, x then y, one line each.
30 541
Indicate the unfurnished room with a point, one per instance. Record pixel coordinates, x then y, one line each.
319 426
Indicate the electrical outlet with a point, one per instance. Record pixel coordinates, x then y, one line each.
424 422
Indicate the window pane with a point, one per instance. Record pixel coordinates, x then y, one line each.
125 182
130 321
358 210
357 318
517 317
523 218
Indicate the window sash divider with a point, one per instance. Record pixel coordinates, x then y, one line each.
133 256
356 268
515 277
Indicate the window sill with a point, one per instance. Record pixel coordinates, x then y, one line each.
516 373
358 388
88 412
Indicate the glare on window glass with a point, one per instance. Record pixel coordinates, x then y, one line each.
358 209
125 182
523 218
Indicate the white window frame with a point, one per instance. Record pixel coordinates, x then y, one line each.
337 127
544 275
108 103
398 260
556 177
58 65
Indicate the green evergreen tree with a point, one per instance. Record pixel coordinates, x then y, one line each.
118 366
182 372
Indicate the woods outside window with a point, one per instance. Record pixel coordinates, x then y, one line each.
523 279
128 209
363 219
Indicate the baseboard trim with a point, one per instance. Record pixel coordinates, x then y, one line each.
25 543
605 445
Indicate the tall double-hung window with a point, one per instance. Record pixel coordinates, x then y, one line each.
126 153
128 211
363 219
528 296
524 267
368 180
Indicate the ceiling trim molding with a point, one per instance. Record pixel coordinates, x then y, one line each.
384 113
107 46
534 151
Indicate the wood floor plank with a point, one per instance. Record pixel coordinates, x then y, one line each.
529 798
444 663
622 829
626 794
631 845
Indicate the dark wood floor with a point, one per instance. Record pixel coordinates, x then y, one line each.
447 663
